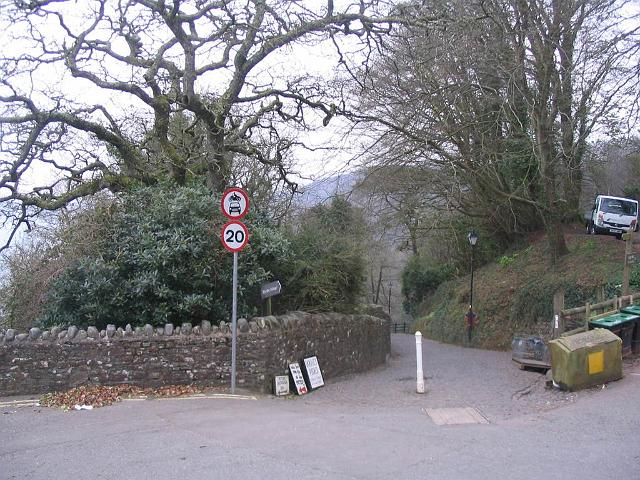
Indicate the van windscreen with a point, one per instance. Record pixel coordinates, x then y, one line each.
621 207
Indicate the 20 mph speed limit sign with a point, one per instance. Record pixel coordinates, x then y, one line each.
234 236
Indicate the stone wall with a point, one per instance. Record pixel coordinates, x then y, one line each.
38 362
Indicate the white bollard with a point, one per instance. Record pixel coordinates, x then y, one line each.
419 374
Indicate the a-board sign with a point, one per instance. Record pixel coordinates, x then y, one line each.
234 203
298 378
270 289
312 371
234 236
281 385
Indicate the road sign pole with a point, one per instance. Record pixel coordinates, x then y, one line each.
234 204
234 334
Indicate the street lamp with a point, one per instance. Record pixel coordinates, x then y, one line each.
470 316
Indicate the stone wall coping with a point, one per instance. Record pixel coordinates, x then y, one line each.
74 334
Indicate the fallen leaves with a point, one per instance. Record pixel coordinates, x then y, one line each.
100 396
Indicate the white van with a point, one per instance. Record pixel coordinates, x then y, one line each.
613 215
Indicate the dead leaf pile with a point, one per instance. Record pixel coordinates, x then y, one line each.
99 396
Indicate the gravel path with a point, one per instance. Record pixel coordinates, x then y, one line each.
454 377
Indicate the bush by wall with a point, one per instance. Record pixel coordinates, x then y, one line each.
161 260
327 268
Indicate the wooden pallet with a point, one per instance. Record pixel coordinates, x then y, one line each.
530 363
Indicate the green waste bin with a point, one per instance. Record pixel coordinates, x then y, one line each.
622 324
586 359
635 337
632 309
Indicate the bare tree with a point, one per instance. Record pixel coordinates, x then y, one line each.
403 204
104 94
501 99
611 168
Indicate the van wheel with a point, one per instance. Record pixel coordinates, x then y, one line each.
590 229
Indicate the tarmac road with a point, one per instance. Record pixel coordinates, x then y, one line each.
371 426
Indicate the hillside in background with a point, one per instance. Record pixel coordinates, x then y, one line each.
514 295
324 189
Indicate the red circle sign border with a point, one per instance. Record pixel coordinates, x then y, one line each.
246 236
246 199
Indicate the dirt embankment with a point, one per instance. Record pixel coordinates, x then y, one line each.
514 295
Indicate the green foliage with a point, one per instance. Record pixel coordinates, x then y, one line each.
328 268
420 278
507 260
487 248
30 266
590 245
432 325
161 261
634 279
531 302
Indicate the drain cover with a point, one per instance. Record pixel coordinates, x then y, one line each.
455 416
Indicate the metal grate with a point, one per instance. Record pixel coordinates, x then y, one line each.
400 328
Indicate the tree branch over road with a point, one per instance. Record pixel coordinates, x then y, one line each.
113 75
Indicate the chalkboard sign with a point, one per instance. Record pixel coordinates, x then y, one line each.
298 378
281 385
312 371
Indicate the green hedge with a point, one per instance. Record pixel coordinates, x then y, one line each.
162 261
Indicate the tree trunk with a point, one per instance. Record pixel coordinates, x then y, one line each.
219 164
556 241
554 213
574 192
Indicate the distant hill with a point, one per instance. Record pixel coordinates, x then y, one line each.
324 189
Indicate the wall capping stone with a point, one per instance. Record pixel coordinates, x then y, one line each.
72 332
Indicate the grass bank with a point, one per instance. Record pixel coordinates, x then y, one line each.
514 295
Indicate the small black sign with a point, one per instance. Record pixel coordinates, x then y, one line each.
270 289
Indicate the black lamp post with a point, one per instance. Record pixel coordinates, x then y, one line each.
473 239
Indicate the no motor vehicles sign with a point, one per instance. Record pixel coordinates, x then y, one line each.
234 203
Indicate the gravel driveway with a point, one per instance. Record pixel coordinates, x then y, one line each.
454 377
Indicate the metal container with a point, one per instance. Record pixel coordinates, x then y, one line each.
622 324
635 336
586 359
530 351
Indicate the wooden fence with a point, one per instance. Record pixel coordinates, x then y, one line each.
575 320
